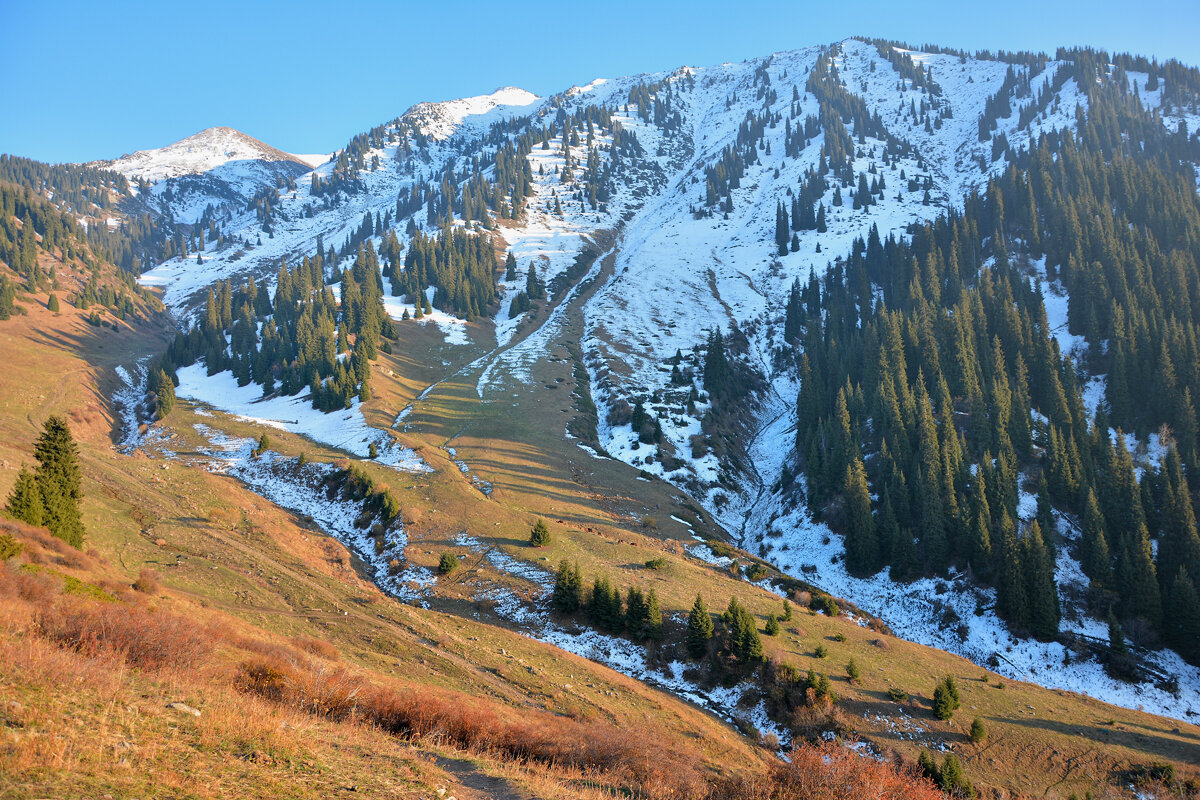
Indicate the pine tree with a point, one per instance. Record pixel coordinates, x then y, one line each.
946 698
52 303
1183 621
25 500
1094 555
653 628
1040 589
952 779
540 535
164 391
568 588
862 545
978 731
700 629
58 478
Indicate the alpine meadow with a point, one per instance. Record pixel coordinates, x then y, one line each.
817 426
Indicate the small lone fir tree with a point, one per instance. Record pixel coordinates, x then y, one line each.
540 535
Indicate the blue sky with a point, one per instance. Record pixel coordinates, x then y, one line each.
87 80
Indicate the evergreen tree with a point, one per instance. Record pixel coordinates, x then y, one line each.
163 389
946 698
1040 589
1183 618
1094 556
59 480
862 546
25 500
568 588
540 535
700 629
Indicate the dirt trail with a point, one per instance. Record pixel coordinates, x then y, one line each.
487 787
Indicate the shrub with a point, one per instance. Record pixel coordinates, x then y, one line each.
657 563
448 563
540 535
897 695
828 770
143 639
821 652
978 732
839 637
147 582
317 647
852 672
826 604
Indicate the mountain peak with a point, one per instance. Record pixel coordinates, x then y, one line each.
200 152
440 119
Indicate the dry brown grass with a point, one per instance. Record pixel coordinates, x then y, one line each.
831 772
443 717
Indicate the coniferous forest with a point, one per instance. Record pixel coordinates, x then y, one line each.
933 393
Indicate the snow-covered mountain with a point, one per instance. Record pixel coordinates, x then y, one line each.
442 119
215 167
684 265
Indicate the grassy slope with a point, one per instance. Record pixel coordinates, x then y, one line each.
222 550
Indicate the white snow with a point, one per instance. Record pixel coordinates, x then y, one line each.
346 430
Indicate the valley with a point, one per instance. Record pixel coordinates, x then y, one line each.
512 307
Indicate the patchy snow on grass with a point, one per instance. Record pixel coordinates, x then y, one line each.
345 430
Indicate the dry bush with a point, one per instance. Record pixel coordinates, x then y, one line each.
147 582
146 640
802 598
316 647
35 588
466 722
830 772
41 547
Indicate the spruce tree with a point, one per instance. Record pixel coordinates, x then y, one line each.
945 698
540 535
1040 589
700 629
568 588
25 500
1094 556
862 545
1183 619
164 390
58 478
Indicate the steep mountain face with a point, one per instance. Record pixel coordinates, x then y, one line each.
690 171
207 171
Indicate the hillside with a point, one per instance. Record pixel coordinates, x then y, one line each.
686 266
833 339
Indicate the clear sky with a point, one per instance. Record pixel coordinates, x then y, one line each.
89 80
